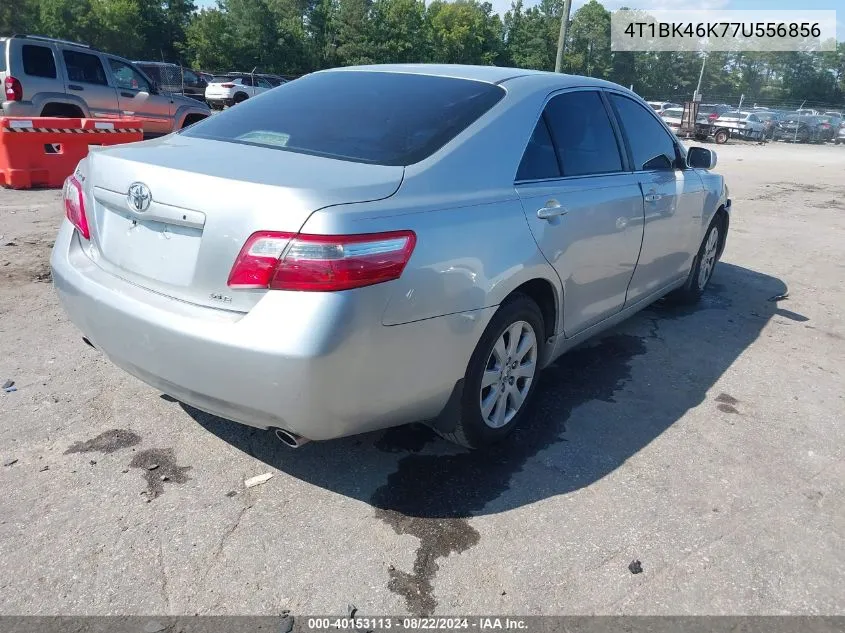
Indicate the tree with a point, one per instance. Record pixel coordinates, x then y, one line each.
397 31
531 38
589 41
209 40
465 32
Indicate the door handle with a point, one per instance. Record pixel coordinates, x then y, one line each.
551 211
74 87
130 95
652 197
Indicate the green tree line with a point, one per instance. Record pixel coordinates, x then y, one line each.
294 37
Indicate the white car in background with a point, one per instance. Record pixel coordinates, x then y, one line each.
741 124
661 106
227 91
673 118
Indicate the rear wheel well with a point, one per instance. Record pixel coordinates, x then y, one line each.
543 294
63 110
190 119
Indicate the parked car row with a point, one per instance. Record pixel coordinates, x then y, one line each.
722 122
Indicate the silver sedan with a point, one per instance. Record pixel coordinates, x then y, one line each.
366 247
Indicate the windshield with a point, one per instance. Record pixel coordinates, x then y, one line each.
370 117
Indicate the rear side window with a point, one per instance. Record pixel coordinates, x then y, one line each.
370 117
582 134
539 161
84 68
38 61
3 48
651 145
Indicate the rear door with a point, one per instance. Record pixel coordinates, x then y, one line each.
674 198
584 208
137 98
86 77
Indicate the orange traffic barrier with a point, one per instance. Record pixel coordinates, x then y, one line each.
43 151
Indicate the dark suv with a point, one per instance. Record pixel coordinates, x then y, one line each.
175 79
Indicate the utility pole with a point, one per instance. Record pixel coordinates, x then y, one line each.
561 40
697 95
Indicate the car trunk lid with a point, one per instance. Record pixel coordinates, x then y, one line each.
195 202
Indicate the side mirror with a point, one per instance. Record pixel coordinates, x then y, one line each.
701 158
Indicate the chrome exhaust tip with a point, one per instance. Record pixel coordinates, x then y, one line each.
291 440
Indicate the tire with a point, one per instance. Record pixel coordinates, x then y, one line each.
721 137
240 98
474 429
836 142
703 265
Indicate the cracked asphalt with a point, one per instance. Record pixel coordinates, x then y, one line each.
706 443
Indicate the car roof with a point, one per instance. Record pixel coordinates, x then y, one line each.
529 79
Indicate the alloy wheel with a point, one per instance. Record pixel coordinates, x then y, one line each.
508 374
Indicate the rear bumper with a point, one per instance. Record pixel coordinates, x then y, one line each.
317 364
219 102
17 108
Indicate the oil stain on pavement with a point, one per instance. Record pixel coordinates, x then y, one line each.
160 467
432 497
106 442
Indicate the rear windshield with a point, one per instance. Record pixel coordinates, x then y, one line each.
222 80
370 117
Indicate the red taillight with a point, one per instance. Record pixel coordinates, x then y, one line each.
713 116
825 126
227 85
321 263
75 206
14 90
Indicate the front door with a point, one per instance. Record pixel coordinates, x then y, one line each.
87 79
584 209
673 195
139 100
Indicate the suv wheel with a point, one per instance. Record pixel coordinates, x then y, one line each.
240 97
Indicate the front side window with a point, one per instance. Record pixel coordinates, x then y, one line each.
582 134
84 68
651 145
382 118
128 77
38 61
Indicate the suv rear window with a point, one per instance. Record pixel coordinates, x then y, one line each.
369 117
3 48
38 61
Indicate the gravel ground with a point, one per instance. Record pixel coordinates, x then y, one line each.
705 443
